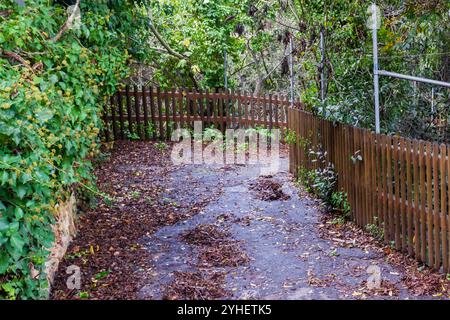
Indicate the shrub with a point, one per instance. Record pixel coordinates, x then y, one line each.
51 96
322 182
290 137
376 230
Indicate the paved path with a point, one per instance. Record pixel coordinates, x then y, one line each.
288 259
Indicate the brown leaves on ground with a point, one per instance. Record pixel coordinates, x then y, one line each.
326 281
418 278
345 234
387 288
110 234
215 247
225 254
205 234
268 190
196 286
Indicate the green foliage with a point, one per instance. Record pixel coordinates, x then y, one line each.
135 194
150 129
339 202
306 178
375 230
161 146
325 178
322 183
290 137
51 99
413 39
199 32
304 143
102 274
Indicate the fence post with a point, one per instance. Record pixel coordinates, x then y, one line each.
375 68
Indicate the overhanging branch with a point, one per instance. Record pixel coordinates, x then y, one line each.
164 43
68 23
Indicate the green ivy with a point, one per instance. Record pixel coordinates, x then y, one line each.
51 97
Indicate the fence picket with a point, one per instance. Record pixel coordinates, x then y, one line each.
145 106
167 114
396 199
423 214
402 192
181 107
384 187
408 194
129 115
398 184
445 176
160 118
121 118
429 209
106 122
153 112
448 208
137 113
416 211
113 118
174 109
436 207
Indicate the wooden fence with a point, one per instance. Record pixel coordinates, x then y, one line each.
151 113
398 184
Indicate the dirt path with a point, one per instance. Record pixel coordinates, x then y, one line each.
232 233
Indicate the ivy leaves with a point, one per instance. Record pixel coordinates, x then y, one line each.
51 93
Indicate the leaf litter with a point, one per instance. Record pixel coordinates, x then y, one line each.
215 249
418 278
268 189
110 234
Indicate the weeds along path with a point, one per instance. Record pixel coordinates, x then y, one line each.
210 232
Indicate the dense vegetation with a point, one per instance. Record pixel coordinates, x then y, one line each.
54 81
414 38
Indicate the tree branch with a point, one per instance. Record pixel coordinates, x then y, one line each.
15 56
68 23
5 13
171 51
164 43
21 60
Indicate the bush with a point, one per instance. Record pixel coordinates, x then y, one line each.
325 177
51 97
290 137
322 183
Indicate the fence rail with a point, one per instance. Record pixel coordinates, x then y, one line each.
400 185
151 113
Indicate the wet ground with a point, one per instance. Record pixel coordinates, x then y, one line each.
223 232
287 258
